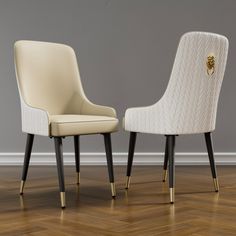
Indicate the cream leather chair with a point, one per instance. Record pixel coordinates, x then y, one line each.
189 103
53 104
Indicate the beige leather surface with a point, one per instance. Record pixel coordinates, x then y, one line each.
49 81
81 124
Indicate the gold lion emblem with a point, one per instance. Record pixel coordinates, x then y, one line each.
210 65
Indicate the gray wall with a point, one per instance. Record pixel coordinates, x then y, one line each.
126 50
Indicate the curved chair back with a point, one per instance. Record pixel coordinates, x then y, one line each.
48 76
192 93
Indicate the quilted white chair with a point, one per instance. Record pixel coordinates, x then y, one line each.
189 104
53 104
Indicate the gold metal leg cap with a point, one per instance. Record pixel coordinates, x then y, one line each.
113 190
127 182
172 195
63 199
22 184
78 177
164 175
216 184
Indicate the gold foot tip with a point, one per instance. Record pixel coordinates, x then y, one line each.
127 182
63 199
78 178
216 184
172 195
164 175
113 189
22 184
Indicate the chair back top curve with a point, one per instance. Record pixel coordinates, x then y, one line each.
195 82
48 76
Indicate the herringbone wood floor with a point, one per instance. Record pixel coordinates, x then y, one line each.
143 210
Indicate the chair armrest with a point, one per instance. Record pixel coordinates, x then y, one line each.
90 108
34 120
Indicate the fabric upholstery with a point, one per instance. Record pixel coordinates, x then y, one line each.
189 104
49 85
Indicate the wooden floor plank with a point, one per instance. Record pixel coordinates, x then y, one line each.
142 210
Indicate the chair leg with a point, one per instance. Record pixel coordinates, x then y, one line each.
132 142
211 159
164 177
59 158
28 149
171 153
108 148
77 156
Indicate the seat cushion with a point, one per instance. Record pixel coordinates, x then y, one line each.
66 125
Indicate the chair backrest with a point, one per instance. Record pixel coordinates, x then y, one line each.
193 90
48 76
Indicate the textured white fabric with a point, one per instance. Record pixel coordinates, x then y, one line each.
189 104
34 120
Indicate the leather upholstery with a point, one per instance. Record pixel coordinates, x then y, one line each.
53 102
64 125
189 104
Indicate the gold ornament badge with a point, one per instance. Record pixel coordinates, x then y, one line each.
210 65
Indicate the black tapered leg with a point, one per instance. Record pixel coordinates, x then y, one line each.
211 159
59 158
165 163
132 142
77 156
108 148
171 156
28 149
